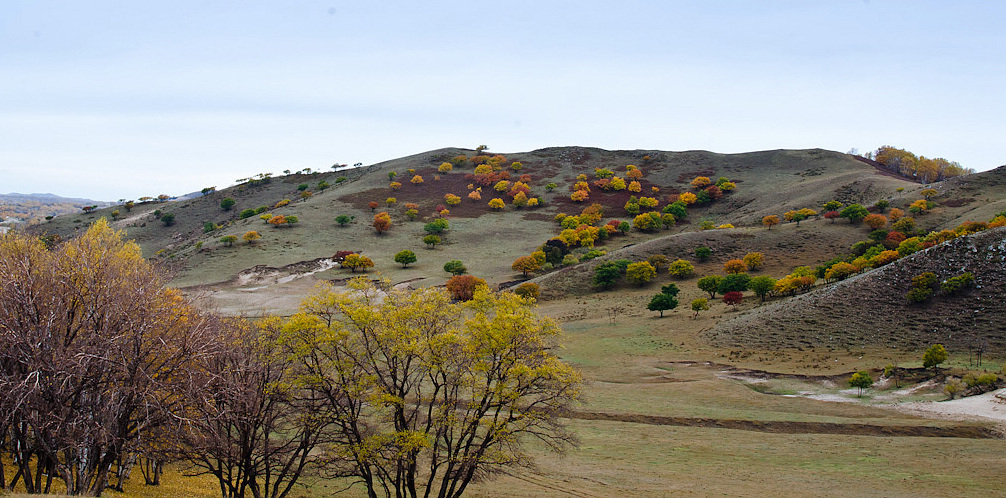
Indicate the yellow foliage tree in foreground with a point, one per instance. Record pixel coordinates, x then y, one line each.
425 395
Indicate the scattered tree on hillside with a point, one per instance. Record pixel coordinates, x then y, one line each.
832 206
770 221
734 266
710 284
762 286
382 222
700 304
734 282
343 220
251 236
227 203
754 261
703 253
733 298
681 269
606 275
665 300
168 219
854 213
463 287
861 380
832 215
228 240
933 356
526 265
701 182
357 261
659 261
431 241
373 205
528 290
875 221
640 273
405 257
455 267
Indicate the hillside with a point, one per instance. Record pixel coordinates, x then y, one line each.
870 309
768 182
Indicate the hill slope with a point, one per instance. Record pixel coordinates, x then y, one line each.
870 309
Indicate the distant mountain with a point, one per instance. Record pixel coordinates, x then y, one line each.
49 199
18 208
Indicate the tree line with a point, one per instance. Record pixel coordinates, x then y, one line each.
105 368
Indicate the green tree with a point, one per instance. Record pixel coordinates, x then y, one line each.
762 286
703 253
247 213
854 213
431 241
455 267
665 300
735 282
861 380
168 219
832 206
606 274
405 257
710 284
228 240
227 203
933 356
343 220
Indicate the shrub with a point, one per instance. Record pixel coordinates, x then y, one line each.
284 202
754 260
956 284
700 304
640 273
659 261
227 203
736 282
734 266
455 267
528 290
681 269
496 204
405 257
251 236
354 261
228 240
703 253
462 287
343 220
733 298
431 240
247 213
168 219
209 226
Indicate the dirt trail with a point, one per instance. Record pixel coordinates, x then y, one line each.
784 427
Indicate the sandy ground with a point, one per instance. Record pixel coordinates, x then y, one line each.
988 406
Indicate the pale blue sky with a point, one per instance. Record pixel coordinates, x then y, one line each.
119 99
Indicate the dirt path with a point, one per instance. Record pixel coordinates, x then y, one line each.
782 427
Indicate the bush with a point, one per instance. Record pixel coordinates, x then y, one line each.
247 213
404 258
606 275
956 284
227 203
703 253
462 287
455 267
640 273
681 269
528 290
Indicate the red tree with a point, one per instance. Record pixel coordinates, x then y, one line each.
733 298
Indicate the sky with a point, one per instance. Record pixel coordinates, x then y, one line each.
117 100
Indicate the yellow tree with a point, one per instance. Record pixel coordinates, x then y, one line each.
423 393
770 221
